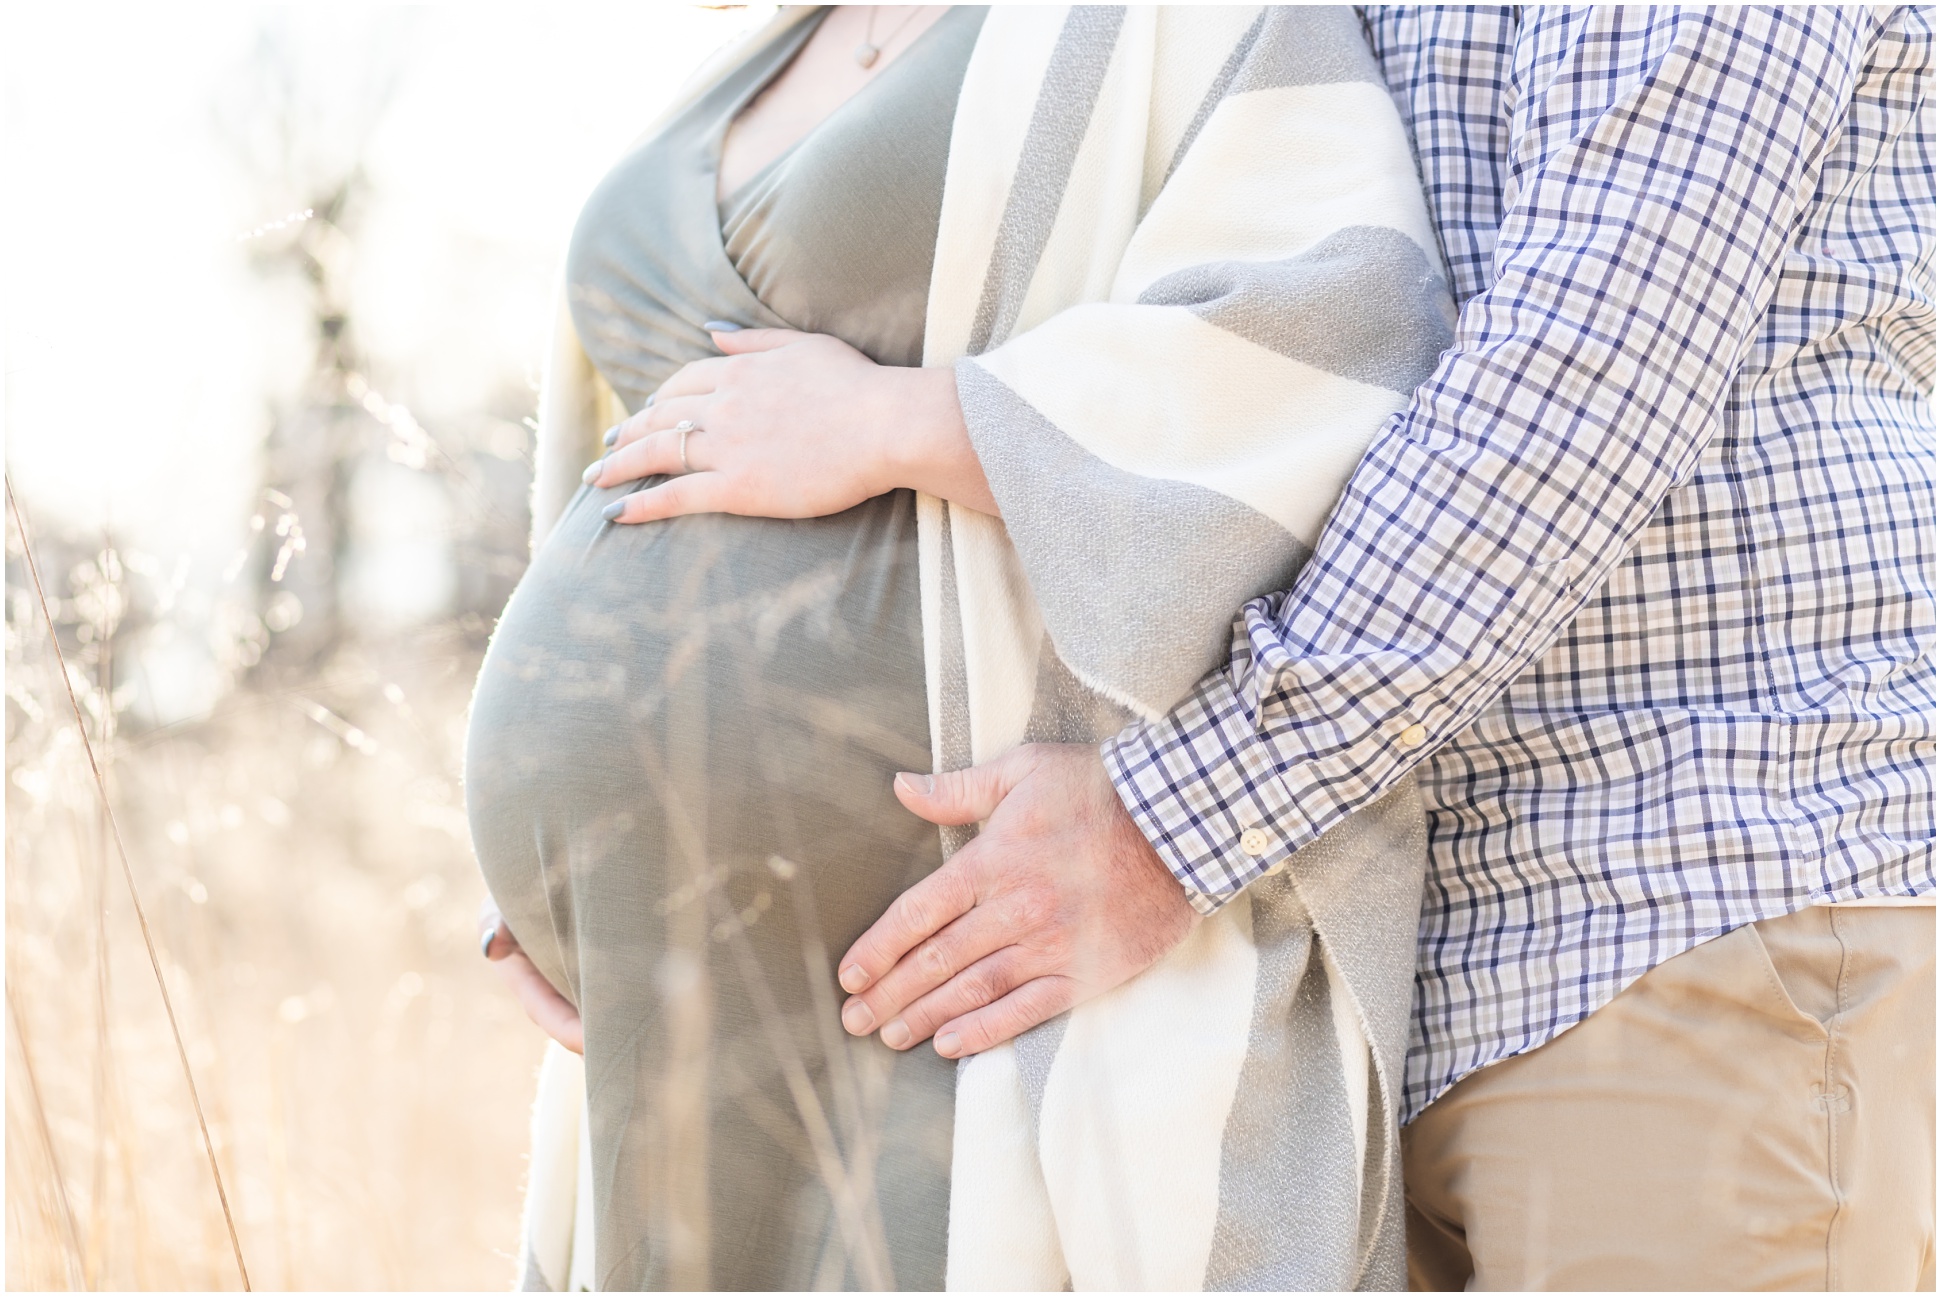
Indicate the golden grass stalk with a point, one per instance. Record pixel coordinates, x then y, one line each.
134 892
74 1254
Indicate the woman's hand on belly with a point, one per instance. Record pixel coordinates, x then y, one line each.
792 425
552 1012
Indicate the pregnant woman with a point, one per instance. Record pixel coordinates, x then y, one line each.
1142 284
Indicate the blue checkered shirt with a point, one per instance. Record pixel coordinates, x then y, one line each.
1639 581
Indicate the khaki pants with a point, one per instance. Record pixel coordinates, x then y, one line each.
1756 1113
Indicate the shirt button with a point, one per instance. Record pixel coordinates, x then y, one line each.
1413 737
1255 842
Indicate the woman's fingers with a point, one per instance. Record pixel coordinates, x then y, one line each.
656 453
661 414
495 938
925 909
1038 1000
553 1012
740 341
690 382
931 963
696 378
694 493
497 941
983 982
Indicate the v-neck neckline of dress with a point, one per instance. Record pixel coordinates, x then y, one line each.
797 38
777 55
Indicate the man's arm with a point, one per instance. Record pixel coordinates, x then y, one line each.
1657 174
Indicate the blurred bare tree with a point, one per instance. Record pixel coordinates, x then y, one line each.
303 136
300 140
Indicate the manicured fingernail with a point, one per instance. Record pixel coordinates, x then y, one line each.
485 942
921 785
721 326
612 511
897 1034
592 471
853 978
613 435
857 1020
948 1044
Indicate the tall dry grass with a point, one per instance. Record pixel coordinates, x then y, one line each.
302 857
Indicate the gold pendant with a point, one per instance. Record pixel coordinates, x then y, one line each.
866 54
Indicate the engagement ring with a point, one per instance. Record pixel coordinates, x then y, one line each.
684 427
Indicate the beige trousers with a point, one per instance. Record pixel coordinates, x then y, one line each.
1755 1113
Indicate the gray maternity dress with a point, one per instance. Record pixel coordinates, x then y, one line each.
681 748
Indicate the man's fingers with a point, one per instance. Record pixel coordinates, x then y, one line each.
985 982
553 1012
927 966
964 796
693 493
1038 1000
923 910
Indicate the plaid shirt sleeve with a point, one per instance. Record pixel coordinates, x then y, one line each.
1659 161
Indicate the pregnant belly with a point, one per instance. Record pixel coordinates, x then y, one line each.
691 727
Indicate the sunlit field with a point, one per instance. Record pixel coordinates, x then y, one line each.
301 859
279 284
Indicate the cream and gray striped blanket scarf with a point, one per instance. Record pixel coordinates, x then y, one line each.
1185 273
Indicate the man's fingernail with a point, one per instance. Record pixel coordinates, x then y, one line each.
853 978
613 435
612 511
857 1020
722 326
592 471
897 1034
921 785
948 1044
485 942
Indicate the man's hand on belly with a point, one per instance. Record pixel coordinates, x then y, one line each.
1059 899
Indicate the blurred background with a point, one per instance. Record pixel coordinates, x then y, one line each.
277 283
